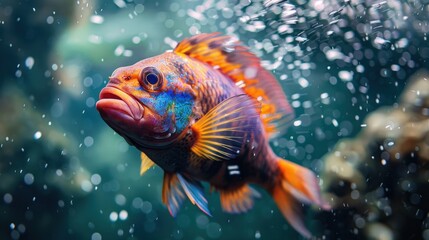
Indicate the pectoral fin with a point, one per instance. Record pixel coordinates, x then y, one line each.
176 187
146 163
221 133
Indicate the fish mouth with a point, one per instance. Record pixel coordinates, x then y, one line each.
119 107
132 120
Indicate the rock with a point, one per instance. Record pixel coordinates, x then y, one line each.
380 178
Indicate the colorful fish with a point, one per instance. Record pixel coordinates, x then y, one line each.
206 112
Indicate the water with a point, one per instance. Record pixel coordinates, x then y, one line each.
66 175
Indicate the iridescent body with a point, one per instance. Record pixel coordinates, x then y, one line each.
206 112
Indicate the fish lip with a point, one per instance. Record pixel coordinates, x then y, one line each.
114 99
123 112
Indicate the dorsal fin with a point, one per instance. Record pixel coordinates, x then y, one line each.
244 68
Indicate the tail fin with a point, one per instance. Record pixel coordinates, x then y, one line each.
296 185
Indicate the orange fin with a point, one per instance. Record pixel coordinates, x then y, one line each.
146 163
301 183
221 133
291 210
244 68
296 185
176 187
238 200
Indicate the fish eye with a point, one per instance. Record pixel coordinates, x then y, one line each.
151 79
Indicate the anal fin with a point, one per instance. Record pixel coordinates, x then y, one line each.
238 200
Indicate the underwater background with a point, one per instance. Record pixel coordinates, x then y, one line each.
355 72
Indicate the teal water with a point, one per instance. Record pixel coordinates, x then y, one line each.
64 174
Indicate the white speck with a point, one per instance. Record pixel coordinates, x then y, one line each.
120 3
324 95
7 198
136 39
120 199
88 141
335 122
402 43
54 67
18 73
86 186
355 194
87 82
119 50
113 216
297 123
333 54
170 42
94 39
29 62
37 135
301 39
97 19
363 125
196 15
128 53
256 26
96 236
139 8
284 28
345 75
257 235
90 102
383 162
96 179
380 41
28 178
232 167
123 215
50 20
395 67
241 84
250 72
303 82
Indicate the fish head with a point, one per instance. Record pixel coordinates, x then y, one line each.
149 103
